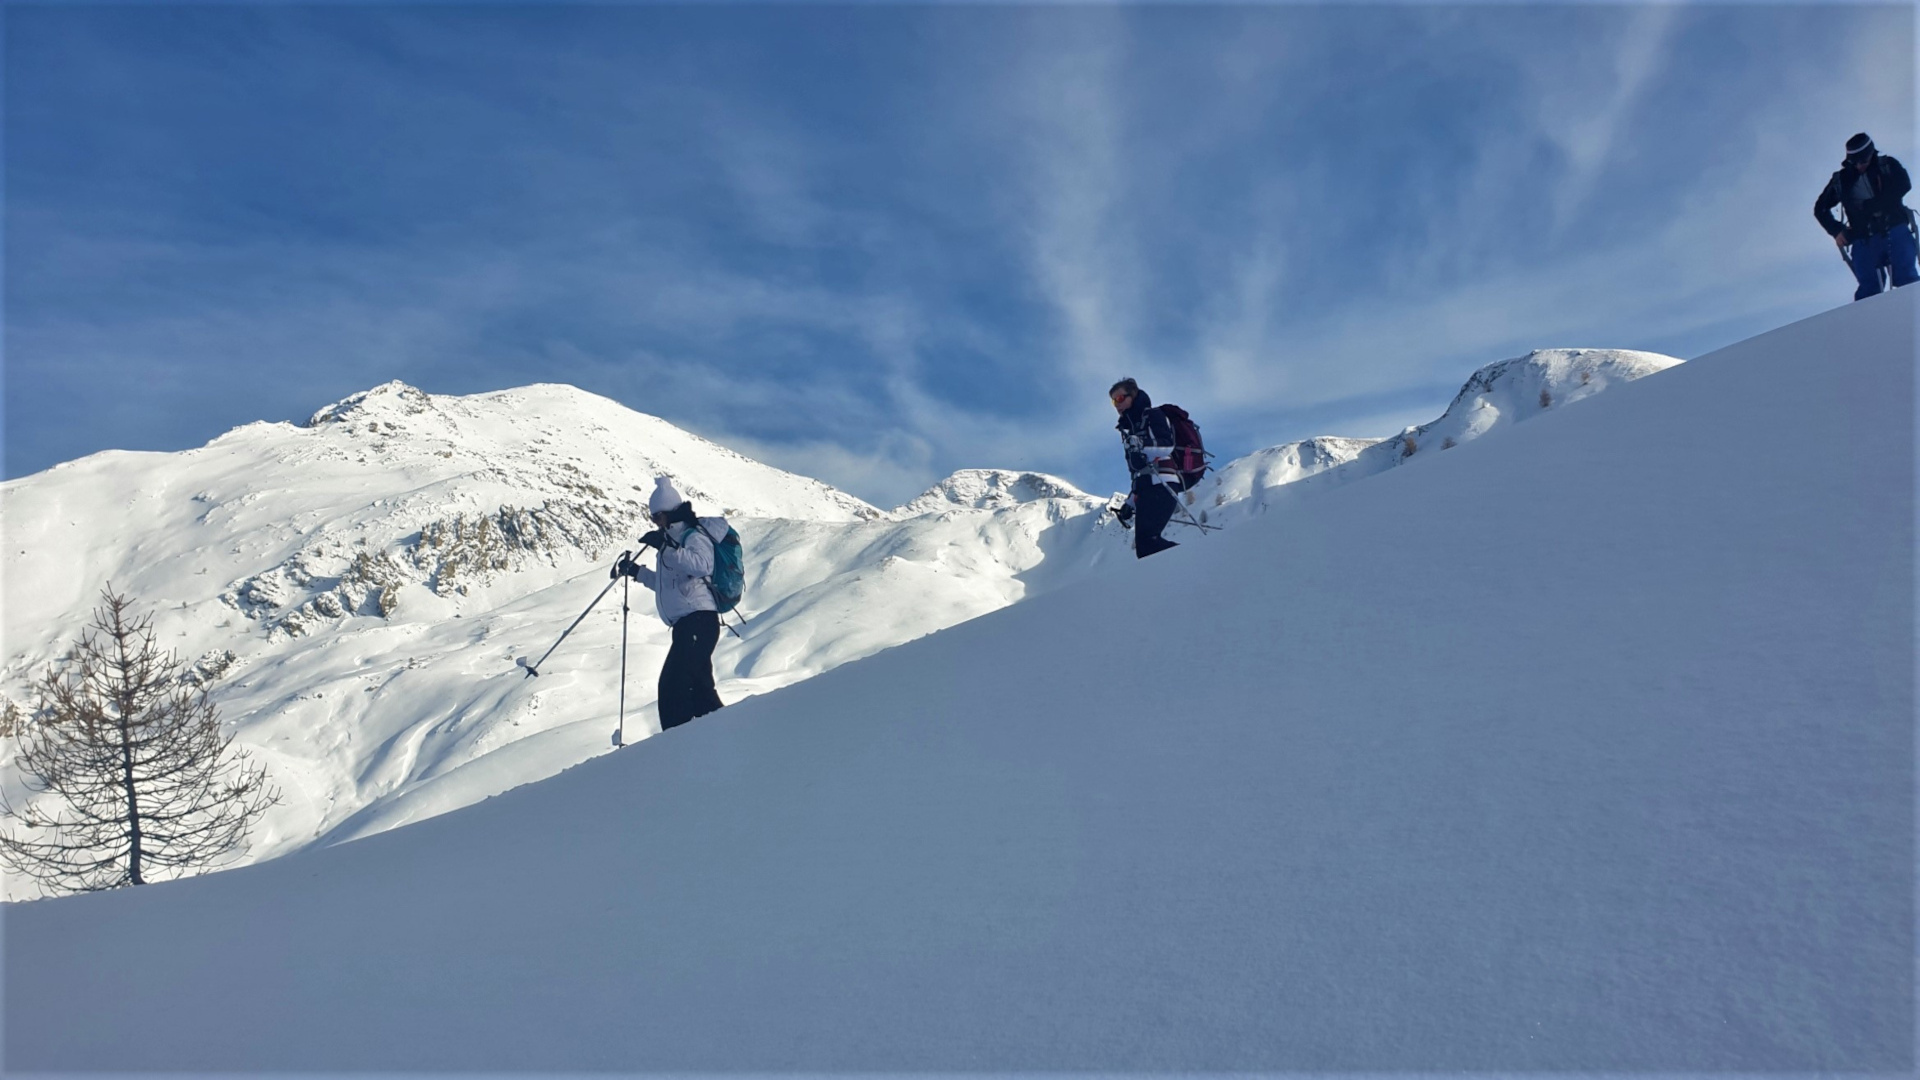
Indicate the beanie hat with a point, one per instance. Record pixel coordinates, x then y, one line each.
664 497
1860 145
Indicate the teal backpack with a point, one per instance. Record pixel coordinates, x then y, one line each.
729 577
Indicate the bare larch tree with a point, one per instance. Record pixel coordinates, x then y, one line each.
135 781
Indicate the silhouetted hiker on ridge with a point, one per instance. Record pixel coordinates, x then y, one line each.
1878 232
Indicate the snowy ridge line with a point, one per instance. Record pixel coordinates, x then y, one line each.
1496 395
989 489
356 589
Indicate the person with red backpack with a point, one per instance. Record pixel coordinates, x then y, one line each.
1164 457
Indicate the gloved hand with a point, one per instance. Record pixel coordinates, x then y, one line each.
654 539
625 567
1125 513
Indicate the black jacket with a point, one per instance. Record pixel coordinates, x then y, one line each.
1143 427
1872 216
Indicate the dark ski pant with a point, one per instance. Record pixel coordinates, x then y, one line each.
1892 249
686 679
1153 507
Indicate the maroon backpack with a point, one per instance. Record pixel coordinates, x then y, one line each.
1189 454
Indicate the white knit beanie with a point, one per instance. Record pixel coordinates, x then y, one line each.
664 496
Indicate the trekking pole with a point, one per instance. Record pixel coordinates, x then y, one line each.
1881 274
1186 518
619 733
1186 513
533 669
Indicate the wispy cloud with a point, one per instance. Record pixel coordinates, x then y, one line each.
875 244
1694 263
1586 118
1062 99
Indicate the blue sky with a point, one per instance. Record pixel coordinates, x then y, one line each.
876 243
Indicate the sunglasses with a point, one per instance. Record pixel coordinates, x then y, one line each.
1122 398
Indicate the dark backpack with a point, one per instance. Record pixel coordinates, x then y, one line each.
1189 453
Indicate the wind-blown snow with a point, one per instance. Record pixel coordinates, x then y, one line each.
1585 748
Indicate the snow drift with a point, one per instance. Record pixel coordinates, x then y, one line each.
1585 748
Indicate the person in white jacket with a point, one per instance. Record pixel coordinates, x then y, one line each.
684 599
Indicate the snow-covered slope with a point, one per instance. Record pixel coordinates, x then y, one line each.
357 588
1588 748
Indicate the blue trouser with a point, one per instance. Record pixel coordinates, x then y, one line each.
1892 249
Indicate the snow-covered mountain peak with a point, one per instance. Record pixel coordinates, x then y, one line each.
391 399
1518 388
357 587
1278 466
387 497
990 489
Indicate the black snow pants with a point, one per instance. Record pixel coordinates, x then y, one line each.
1153 508
686 679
